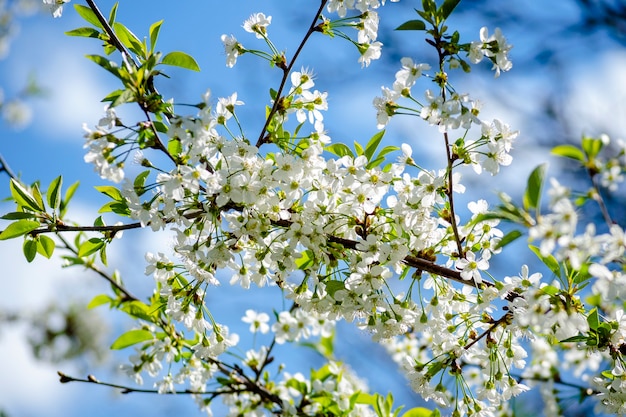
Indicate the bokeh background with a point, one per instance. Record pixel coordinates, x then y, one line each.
568 79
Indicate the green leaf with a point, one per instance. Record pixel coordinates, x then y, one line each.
333 286
447 7
593 319
358 148
90 246
532 196
576 339
106 64
54 193
38 197
23 196
373 143
130 338
508 238
550 261
339 149
129 39
380 158
113 13
180 59
19 228
18 215
110 191
154 34
69 193
174 147
138 310
140 180
591 147
419 412
85 32
45 246
412 25
88 14
569 151
117 207
125 96
30 249
99 300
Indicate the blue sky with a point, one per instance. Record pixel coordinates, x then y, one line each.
52 145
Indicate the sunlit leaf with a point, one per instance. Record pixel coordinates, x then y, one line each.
180 59
54 193
131 338
45 246
23 196
90 246
19 228
87 14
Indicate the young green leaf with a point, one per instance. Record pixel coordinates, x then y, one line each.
18 215
373 143
90 246
508 238
569 151
550 261
99 300
419 412
30 249
19 228
88 14
45 246
113 13
154 34
339 149
85 32
54 193
447 7
69 193
129 39
110 191
180 59
130 338
593 319
532 196
412 25
23 196
591 147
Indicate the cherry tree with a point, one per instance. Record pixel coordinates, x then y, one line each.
360 233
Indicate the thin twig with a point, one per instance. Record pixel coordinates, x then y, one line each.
132 66
286 72
4 167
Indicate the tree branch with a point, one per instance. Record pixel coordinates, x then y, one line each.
286 72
